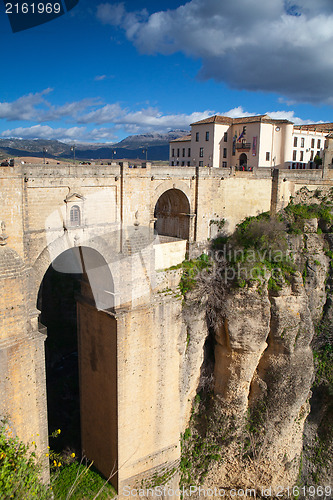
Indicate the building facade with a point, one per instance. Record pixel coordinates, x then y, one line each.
250 142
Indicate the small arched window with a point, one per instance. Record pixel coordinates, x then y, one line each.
75 216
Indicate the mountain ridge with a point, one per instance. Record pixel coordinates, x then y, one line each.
133 146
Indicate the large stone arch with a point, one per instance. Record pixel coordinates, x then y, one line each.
172 215
96 328
165 186
52 252
172 210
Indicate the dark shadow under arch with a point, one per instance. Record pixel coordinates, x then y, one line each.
74 299
172 212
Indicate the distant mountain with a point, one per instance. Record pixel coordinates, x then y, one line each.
33 146
149 140
132 147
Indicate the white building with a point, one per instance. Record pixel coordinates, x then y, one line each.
250 142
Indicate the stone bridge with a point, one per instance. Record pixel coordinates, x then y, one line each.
114 231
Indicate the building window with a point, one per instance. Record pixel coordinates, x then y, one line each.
183 152
302 142
197 137
200 163
312 155
173 152
224 164
75 216
295 142
201 152
207 136
312 143
172 163
225 137
301 156
183 164
224 152
268 156
318 153
177 163
188 163
294 155
189 152
177 153
318 144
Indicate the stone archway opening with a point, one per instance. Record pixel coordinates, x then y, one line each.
172 214
76 300
243 161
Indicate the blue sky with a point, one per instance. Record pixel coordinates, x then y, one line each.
106 70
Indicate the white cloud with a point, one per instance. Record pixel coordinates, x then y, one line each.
61 134
108 119
289 115
34 107
278 46
23 108
148 119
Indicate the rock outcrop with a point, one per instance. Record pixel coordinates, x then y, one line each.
264 372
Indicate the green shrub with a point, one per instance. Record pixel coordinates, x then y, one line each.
191 268
19 470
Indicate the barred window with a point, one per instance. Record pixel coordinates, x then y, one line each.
75 216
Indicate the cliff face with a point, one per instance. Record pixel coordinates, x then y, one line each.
264 365
264 371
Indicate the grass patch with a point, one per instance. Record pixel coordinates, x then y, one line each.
203 442
191 269
83 481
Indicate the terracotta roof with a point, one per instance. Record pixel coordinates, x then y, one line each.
215 119
246 119
181 139
319 127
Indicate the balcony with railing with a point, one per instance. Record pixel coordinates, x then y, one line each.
243 146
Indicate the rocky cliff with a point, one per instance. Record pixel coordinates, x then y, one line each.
266 420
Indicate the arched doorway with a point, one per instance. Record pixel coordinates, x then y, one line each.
243 161
172 212
75 300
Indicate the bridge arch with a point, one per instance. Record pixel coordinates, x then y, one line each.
171 210
59 246
172 214
75 301
170 184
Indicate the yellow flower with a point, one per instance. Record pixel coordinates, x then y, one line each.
33 442
73 455
47 454
55 463
59 464
58 431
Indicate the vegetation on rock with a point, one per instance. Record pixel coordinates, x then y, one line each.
268 256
